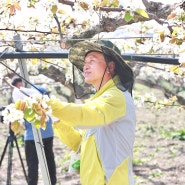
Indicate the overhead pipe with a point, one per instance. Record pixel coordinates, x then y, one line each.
129 57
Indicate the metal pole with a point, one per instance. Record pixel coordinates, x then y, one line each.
125 56
36 132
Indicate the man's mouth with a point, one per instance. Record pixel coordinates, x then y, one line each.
86 73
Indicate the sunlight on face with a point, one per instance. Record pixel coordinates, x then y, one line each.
94 68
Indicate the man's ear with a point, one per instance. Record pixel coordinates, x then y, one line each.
111 68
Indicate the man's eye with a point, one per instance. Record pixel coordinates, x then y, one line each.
89 62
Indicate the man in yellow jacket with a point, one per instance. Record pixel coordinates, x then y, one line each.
107 118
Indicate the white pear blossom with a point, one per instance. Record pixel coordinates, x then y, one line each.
182 58
11 114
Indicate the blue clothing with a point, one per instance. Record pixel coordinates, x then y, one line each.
48 132
41 89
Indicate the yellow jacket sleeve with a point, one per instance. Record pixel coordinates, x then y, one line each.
67 135
100 110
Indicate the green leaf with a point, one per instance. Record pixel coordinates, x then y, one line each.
36 123
175 31
76 165
114 3
142 12
54 9
29 115
128 17
15 127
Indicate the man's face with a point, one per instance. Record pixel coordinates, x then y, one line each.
94 69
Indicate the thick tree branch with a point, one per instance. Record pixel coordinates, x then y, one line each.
66 2
166 91
156 11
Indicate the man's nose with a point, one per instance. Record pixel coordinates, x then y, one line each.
86 66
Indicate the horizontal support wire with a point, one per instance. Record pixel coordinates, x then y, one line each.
129 57
77 39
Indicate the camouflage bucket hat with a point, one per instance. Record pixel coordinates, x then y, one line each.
78 52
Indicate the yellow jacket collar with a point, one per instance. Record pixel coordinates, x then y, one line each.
109 84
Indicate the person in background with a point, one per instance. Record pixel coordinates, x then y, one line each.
47 138
108 118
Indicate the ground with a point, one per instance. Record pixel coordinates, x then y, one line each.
159 152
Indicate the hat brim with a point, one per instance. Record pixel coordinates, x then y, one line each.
78 52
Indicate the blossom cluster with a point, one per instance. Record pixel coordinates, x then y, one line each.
33 109
152 101
11 114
